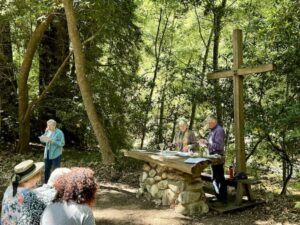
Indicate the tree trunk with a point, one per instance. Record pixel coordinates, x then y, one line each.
161 116
107 154
157 51
204 66
8 84
53 50
218 12
24 123
174 126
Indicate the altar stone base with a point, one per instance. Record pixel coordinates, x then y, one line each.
170 187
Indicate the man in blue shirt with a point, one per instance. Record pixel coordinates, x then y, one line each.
215 145
54 140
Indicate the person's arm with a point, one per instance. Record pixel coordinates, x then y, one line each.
32 208
59 139
89 219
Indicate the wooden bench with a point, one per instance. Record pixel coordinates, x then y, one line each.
243 186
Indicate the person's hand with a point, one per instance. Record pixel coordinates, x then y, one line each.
202 142
185 148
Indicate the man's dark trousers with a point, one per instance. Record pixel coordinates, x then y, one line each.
219 182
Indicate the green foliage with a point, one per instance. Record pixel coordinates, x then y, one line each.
122 58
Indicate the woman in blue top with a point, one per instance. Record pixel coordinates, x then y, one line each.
55 140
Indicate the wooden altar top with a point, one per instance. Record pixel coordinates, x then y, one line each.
174 161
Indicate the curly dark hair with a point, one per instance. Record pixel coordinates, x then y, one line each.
79 186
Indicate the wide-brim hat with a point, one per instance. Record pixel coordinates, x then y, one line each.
26 170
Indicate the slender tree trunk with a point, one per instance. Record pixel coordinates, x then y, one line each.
218 12
157 51
53 50
174 126
107 154
161 115
24 123
204 66
8 83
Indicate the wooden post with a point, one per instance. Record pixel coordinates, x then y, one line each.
239 127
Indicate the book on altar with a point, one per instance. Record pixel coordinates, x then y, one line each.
196 160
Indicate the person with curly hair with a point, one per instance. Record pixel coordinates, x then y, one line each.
76 194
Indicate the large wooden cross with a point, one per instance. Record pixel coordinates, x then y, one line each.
237 74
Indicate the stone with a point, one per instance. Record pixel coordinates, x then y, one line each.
188 178
176 186
196 208
195 186
168 197
152 173
162 184
157 178
139 193
147 196
150 181
164 176
146 167
148 187
186 197
153 190
181 209
160 169
153 165
144 176
157 201
174 176
159 194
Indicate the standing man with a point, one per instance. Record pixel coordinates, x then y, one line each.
55 140
215 145
185 140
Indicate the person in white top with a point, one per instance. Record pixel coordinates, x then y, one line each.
76 194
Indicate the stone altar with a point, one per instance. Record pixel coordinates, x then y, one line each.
169 181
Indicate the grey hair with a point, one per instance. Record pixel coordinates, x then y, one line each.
182 121
52 122
210 118
56 174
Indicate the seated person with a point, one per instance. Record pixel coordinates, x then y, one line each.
76 193
47 192
20 205
185 139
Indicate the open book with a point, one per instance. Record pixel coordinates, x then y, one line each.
196 160
44 138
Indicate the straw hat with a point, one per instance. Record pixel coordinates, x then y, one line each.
26 170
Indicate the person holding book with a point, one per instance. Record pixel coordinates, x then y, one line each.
54 141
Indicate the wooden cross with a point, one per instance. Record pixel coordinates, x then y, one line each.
237 74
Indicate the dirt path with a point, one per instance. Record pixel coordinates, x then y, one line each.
117 205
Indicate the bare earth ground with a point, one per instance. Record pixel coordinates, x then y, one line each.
118 205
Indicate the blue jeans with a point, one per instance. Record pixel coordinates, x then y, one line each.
51 164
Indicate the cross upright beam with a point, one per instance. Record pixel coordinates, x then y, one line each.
238 102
